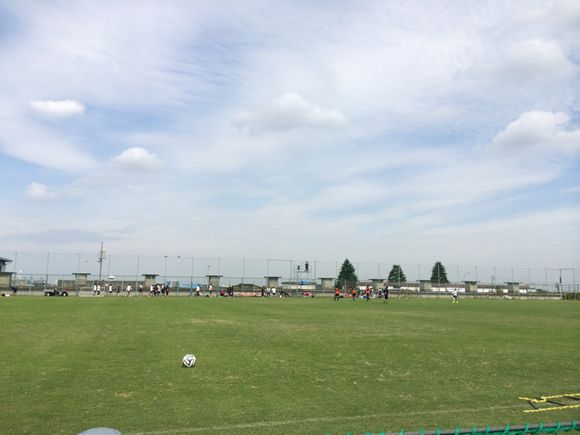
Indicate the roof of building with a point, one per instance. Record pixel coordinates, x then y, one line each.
5 260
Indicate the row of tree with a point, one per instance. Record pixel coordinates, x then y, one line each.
347 276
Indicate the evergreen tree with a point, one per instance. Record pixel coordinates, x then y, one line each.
347 276
397 274
438 274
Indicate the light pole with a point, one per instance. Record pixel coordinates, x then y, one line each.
78 272
47 263
177 283
191 279
208 277
165 270
102 256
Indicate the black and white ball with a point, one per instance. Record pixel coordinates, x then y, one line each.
189 360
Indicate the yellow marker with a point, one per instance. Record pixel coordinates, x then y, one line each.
554 408
544 399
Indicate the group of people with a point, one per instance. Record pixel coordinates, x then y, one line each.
365 293
224 291
383 294
154 289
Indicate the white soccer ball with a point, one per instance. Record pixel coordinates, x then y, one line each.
189 360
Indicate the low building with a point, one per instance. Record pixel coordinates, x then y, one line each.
5 277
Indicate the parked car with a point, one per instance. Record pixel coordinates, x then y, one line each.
55 292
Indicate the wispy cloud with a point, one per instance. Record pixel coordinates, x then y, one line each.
335 130
287 112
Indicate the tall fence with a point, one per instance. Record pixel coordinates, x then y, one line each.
47 269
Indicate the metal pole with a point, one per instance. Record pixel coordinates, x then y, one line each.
243 272
165 270
137 275
529 278
100 260
46 278
191 279
78 272
315 278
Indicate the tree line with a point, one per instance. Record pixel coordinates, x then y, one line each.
347 276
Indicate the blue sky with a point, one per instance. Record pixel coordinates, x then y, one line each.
401 132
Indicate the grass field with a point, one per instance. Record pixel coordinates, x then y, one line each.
265 366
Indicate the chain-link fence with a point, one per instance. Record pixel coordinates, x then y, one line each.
35 271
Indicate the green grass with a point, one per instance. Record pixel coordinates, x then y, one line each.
304 366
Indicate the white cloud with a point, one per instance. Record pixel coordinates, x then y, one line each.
287 112
536 59
137 159
544 131
372 136
58 108
38 191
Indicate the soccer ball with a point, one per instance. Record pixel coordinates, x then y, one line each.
189 360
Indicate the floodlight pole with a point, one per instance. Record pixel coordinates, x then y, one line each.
100 260
191 279
78 272
165 271
47 263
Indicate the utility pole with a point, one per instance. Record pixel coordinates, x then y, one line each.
102 256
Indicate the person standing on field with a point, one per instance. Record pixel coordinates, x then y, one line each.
129 290
455 295
386 294
336 294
